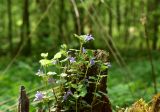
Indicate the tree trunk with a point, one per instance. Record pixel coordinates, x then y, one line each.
23 104
25 31
61 21
126 23
118 14
27 27
155 24
44 28
110 23
76 16
9 3
153 21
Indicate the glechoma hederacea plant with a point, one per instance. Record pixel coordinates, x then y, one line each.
66 80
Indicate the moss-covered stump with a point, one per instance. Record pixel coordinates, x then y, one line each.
97 99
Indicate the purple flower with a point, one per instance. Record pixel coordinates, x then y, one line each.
83 50
92 62
38 96
65 97
39 73
89 37
108 64
68 93
72 59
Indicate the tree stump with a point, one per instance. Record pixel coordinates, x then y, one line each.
23 105
99 104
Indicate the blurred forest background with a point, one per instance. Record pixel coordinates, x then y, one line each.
128 29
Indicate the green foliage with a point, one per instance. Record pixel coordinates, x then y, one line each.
22 73
66 82
52 22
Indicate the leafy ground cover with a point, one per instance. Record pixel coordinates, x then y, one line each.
124 88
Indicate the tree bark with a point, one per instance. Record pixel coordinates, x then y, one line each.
23 105
25 40
26 19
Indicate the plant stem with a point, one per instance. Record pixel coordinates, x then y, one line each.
55 95
76 106
86 71
96 89
81 45
49 110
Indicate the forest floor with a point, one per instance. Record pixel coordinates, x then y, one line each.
126 84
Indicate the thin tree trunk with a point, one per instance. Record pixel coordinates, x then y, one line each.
9 3
61 21
118 14
153 74
155 24
126 23
26 28
44 28
110 23
146 36
76 17
25 40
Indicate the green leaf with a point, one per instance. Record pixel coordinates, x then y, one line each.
80 87
51 73
72 70
62 81
74 85
90 53
64 46
103 67
93 78
63 74
44 55
58 55
103 76
80 37
83 92
45 62
64 60
76 96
